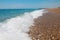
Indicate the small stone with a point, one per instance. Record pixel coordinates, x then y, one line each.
53 37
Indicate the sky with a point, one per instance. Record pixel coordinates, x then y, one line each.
12 4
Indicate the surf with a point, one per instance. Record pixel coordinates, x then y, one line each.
16 28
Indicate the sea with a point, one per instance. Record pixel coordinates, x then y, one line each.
15 23
10 13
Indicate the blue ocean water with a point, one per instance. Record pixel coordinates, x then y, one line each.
14 27
9 13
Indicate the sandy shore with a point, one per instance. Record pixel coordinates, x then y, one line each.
54 10
47 27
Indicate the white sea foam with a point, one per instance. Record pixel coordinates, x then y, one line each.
16 28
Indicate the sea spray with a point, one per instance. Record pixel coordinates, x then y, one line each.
16 28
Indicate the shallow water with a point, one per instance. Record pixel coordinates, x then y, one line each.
15 28
9 13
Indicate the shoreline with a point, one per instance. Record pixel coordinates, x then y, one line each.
47 27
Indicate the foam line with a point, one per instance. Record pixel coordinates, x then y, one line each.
16 28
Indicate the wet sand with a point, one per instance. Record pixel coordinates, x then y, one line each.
47 27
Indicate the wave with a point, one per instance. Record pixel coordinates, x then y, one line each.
16 28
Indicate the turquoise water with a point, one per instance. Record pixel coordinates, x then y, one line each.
9 13
16 28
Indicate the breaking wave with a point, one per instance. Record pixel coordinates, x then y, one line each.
16 28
